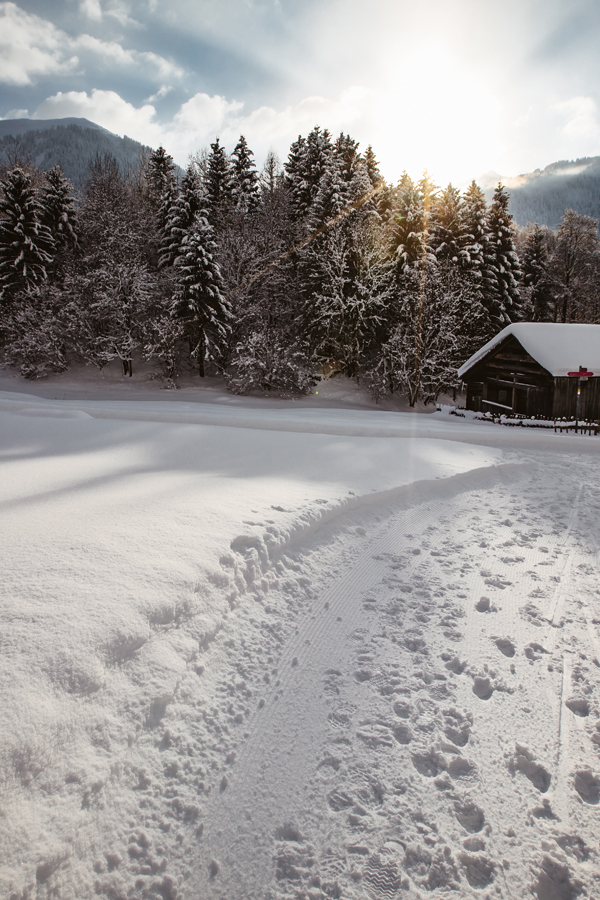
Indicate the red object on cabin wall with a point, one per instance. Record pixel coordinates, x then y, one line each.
583 373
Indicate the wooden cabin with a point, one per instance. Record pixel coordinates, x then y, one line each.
524 370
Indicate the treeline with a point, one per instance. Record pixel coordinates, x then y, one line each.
274 278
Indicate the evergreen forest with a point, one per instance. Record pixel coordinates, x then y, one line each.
275 278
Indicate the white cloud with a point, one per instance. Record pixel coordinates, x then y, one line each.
30 47
581 123
161 92
105 108
91 9
121 14
16 114
202 118
113 54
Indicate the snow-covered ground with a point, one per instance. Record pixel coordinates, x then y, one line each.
273 649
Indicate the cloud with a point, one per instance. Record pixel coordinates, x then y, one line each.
203 117
30 47
105 108
16 114
91 9
161 92
580 120
112 53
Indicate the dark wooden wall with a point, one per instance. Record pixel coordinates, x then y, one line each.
508 380
565 398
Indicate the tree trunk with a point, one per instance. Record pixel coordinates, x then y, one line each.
201 350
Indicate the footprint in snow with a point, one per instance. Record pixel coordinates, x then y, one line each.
482 687
579 706
469 815
524 761
587 786
506 647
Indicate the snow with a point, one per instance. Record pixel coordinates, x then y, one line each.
558 348
270 650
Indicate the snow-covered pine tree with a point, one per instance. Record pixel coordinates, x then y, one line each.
348 158
218 185
306 165
244 178
446 228
537 282
160 173
408 225
26 245
343 282
200 304
58 203
184 204
330 199
474 232
372 165
503 299
295 180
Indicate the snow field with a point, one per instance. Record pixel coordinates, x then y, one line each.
250 662
129 550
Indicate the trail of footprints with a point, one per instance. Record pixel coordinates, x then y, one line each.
406 798
403 802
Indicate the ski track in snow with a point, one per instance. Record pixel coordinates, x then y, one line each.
429 726
398 699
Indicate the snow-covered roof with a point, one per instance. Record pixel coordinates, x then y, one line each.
558 348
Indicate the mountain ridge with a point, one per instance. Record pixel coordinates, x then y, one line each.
72 143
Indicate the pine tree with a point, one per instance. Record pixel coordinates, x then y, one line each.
180 215
218 185
244 177
445 232
26 245
200 303
295 180
474 231
160 174
503 299
536 276
409 222
331 197
345 151
58 204
306 165
372 165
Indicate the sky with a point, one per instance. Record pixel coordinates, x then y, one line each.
455 87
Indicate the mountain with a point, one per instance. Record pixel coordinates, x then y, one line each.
70 143
542 196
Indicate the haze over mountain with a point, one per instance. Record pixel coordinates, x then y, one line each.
70 143
543 195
